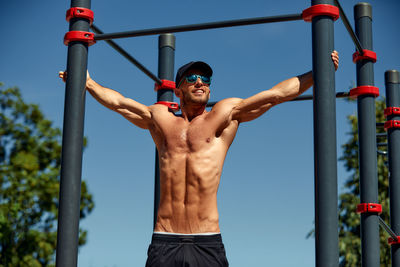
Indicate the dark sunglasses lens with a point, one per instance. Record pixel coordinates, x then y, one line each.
191 78
205 79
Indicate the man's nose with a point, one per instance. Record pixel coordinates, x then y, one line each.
199 81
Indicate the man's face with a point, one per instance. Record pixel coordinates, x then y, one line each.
197 92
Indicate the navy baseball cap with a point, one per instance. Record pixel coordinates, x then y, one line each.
193 65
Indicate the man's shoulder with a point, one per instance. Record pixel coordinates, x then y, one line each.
162 112
161 107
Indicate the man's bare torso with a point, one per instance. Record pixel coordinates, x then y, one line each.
191 156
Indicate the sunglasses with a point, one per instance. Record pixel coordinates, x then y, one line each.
193 78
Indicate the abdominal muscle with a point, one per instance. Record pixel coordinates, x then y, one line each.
188 192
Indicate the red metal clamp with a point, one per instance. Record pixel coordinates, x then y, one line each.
320 10
367 54
171 105
392 241
364 90
391 111
165 84
369 208
391 124
80 12
87 37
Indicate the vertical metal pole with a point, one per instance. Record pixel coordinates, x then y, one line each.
72 146
325 154
392 82
367 141
166 62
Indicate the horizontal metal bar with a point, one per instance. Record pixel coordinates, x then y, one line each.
200 26
303 97
380 124
381 135
381 152
299 98
381 144
387 228
346 23
310 97
125 54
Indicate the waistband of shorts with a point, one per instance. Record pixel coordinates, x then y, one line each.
176 238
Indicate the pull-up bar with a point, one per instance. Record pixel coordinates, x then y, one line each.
310 97
200 26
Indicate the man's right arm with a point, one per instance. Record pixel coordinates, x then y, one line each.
135 112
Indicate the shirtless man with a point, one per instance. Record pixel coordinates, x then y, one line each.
192 149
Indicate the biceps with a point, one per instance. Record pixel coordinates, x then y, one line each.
128 105
244 115
137 120
254 106
135 112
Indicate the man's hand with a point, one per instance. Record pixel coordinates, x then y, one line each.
335 59
63 76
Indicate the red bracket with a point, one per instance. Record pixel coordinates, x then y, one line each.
80 12
165 84
72 36
369 208
391 111
391 124
171 105
320 10
364 90
367 54
392 241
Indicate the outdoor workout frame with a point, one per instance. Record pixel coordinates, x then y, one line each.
392 112
322 14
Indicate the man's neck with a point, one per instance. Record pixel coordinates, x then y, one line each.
191 111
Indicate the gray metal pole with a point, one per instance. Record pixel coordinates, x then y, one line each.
367 141
72 146
166 62
392 82
325 163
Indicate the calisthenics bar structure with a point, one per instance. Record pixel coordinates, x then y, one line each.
392 125
322 14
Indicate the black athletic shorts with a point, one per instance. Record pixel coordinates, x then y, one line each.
168 250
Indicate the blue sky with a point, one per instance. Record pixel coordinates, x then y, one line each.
266 196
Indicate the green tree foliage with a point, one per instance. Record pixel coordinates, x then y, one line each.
30 152
349 220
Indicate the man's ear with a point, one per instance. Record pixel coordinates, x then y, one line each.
178 92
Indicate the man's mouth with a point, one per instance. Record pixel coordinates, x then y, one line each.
198 91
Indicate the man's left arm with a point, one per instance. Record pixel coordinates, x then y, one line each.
251 108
